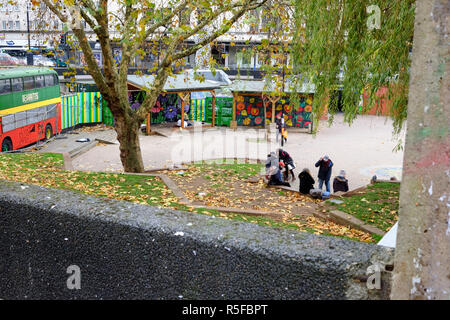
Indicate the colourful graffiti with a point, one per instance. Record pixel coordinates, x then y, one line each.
167 108
294 116
249 110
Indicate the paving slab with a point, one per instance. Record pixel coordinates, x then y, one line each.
66 142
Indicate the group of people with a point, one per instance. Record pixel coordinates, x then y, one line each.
280 166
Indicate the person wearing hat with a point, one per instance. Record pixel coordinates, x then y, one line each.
340 183
273 172
325 164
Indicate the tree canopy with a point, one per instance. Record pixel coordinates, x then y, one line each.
174 29
355 45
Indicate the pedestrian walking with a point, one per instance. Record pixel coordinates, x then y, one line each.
279 121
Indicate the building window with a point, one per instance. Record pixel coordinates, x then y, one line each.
17 25
4 25
245 58
10 25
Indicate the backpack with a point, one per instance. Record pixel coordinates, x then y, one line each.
316 193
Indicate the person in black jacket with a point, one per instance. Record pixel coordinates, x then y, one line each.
306 181
340 183
288 164
279 121
324 175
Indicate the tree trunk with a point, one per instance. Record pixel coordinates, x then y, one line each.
127 129
422 254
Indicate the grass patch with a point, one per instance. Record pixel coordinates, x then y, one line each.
219 169
377 206
45 169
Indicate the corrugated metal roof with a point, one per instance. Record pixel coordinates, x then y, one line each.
180 82
256 86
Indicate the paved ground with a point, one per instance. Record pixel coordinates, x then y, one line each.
364 149
67 142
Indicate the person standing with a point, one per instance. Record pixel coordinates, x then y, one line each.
325 164
306 181
340 183
284 134
288 162
279 121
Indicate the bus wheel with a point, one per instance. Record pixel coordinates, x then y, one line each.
48 132
7 145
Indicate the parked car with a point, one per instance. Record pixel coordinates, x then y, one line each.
7 60
39 60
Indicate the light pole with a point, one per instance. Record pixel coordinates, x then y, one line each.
29 53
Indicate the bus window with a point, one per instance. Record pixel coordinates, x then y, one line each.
39 80
5 86
17 84
49 80
28 83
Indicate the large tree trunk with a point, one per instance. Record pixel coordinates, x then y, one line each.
127 129
422 255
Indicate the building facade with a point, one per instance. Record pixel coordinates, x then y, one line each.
23 28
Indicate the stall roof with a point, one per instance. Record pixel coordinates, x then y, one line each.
180 82
255 86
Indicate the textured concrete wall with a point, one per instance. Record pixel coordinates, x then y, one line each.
133 251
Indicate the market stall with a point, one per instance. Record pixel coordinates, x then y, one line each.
256 103
175 96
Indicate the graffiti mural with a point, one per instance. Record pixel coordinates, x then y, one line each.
294 116
249 110
167 108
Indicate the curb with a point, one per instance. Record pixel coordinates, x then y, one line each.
82 149
67 161
346 219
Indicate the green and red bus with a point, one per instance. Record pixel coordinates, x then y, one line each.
30 106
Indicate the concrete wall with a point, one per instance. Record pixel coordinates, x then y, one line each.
129 251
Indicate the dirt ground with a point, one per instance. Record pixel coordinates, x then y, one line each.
233 191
